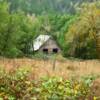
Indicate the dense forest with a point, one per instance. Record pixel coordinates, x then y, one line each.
47 6
73 23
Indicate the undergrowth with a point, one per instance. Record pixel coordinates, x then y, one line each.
17 85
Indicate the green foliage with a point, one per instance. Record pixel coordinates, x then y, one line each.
16 31
58 89
84 32
76 34
17 85
54 25
45 6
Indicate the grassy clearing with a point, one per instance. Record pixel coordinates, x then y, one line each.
64 68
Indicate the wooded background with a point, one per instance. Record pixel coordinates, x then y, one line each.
74 24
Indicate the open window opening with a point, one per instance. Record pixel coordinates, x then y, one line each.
45 50
55 50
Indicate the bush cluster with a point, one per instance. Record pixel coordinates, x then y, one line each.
18 86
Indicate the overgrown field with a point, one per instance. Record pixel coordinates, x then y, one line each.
64 68
22 79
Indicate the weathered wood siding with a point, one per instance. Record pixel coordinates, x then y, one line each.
50 45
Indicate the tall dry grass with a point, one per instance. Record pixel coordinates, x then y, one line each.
64 68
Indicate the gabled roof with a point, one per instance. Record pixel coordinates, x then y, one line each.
39 41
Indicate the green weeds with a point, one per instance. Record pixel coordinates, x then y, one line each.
18 86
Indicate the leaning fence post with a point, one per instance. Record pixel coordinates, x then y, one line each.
54 62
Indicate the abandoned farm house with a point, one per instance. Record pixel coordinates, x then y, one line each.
46 44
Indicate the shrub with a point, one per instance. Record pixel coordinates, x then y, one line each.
18 86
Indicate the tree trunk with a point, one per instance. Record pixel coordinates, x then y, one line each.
98 44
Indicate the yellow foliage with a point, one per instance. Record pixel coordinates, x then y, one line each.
87 25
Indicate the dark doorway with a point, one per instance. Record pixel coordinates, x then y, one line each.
55 50
45 50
